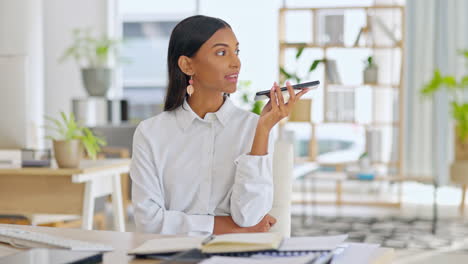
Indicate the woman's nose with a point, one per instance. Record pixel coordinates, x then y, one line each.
235 62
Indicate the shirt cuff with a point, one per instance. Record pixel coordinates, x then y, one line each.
202 224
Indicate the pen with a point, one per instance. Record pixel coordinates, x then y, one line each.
208 239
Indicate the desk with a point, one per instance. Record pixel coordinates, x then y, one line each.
64 191
124 241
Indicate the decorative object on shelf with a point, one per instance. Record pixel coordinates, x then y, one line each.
98 111
459 106
302 112
71 139
378 23
35 157
371 71
331 28
332 71
93 55
362 31
374 144
10 158
340 105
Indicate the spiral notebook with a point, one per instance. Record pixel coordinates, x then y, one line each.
243 244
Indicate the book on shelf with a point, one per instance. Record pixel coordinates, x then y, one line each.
374 144
332 72
341 105
238 243
333 29
358 38
377 21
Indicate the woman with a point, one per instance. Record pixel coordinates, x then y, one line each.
204 165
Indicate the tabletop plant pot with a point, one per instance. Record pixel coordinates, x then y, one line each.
68 153
461 146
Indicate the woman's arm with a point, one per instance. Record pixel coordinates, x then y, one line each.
252 193
225 224
151 215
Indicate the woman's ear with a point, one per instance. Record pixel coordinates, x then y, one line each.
185 65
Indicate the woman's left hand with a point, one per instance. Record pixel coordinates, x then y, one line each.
276 109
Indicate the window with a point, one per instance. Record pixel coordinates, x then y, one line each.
145 77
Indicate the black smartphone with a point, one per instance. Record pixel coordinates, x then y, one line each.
300 86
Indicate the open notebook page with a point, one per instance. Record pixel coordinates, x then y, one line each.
167 245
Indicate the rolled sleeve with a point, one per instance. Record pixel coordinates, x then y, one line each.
252 192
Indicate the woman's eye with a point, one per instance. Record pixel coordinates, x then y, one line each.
237 52
221 53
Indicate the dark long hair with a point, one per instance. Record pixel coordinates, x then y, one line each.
186 39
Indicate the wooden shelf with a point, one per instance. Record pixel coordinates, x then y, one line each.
396 86
371 124
326 46
373 86
342 8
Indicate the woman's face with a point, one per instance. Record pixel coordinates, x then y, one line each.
216 64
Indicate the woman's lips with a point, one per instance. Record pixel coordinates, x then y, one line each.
232 77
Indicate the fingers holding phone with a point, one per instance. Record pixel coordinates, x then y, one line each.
277 109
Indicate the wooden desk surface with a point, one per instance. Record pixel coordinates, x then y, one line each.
86 166
121 241
124 241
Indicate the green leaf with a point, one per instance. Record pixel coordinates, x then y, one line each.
449 81
257 107
433 85
245 98
464 81
299 51
314 65
464 53
285 73
296 78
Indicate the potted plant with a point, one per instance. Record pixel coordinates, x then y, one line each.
93 54
70 141
458 103
293 75
371 71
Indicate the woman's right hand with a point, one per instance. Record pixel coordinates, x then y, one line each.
225 225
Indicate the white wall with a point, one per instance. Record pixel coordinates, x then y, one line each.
21 75
63 80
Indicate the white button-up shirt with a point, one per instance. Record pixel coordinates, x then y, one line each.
186 170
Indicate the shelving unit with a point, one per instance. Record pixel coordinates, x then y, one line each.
395 125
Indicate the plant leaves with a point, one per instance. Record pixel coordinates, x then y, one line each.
285 73
433 85
299 51
314 65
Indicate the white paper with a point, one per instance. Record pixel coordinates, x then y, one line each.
238 260
166 245
248 238
312 243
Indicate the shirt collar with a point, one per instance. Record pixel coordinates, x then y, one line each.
185 115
